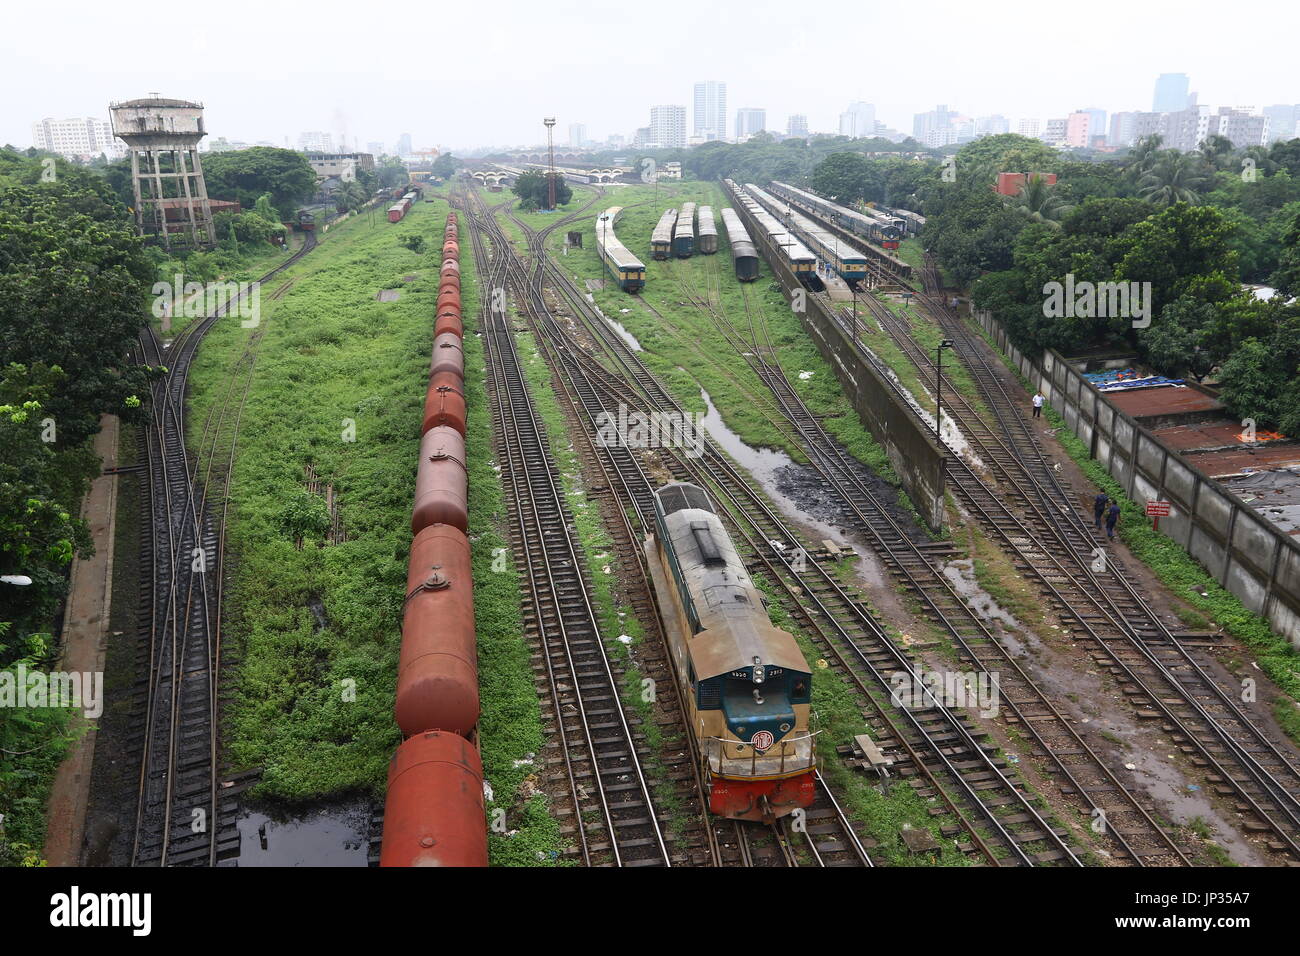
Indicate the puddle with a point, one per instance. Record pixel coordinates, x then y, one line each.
336 835
799 492
960 572
617 326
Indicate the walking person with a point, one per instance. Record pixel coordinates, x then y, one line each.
1099 508
1038 404
1112 516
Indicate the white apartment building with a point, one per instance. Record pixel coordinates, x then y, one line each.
81 138
668 126
710 115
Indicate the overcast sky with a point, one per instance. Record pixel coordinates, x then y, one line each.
469 74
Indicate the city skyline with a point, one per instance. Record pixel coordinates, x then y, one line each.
250 96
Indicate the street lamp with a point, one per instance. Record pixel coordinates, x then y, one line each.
21 580
938 385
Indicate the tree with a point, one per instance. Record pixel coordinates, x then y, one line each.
533 185
1143 155
1039 202
1173 342
1174 177
1249 384
73 293
1217 151
244 175
1181 250
845 177
445 166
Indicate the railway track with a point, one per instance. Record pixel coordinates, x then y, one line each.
829 837
615 821
1039 525
181 818
1090 783
1028 822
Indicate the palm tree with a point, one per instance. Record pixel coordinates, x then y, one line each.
1217 150
1174 177
1038 201
1143 154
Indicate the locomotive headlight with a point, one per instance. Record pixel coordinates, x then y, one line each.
758 670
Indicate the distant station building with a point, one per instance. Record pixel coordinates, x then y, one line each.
162 137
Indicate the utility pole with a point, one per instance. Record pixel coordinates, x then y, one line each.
550 155
938 385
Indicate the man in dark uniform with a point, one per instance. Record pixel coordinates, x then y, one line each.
1111 517
1099 508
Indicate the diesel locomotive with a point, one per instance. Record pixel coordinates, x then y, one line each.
745 683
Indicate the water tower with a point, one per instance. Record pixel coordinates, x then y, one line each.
171 199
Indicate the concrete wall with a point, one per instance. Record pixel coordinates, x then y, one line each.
919 461
1245 553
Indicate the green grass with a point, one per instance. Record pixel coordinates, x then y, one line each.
686 349
331 353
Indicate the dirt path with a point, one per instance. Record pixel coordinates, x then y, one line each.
85 633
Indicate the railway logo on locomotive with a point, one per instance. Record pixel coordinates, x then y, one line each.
762 740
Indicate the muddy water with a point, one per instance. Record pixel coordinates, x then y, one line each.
801 495
330 835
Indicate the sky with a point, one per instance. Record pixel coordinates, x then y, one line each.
468 75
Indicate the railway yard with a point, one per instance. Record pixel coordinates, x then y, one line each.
1000 688
1000 692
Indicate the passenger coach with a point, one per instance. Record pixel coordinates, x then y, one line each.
622 265
661 240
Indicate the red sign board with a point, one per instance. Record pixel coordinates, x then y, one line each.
1157 509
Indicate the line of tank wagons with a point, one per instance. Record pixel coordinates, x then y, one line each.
434 813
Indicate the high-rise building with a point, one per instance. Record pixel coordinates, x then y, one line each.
404 145
1096 124
316 141
668 126
710 118
1283 121
1054 132
1242 126
750 120
1028 127
859 120
797 125
994 125
375 148
1077 126
577 135
1171 94
80 138
935 128
1123 129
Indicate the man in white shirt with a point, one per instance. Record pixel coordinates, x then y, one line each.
1038 404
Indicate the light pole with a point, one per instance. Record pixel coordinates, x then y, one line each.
549 123
938 385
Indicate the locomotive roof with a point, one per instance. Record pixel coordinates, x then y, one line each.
735 627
